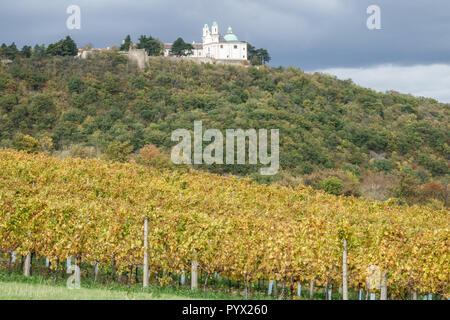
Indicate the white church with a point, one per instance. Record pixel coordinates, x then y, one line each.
217 47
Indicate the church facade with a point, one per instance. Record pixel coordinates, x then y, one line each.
217 47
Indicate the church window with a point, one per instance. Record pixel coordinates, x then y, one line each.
235 46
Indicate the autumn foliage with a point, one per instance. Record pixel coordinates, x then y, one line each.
242 230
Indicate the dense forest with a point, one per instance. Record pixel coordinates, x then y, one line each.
334 135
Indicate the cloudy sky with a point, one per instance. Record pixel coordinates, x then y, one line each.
411 52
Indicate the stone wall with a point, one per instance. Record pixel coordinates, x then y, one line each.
138 57
210 60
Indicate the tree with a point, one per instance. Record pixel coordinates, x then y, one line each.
407 187
263 55
331 185
257 56
70 47
3 50
251 51
153 46
117 151
36 80
126 44
12 51
75 84
26 143
26 51
181 48
66 47
39 51
255 61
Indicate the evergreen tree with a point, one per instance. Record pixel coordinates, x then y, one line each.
257 56
126 44
3 50
251 51
263 55
70 47
153 46
39 51
26 51
65 47
181 48
12 51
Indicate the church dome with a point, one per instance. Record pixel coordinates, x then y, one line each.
230 37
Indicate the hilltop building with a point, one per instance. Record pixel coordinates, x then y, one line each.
217 47
214 48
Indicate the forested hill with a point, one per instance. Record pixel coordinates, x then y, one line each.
334 135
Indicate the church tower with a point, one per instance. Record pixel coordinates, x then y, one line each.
205 30
206 34
215 32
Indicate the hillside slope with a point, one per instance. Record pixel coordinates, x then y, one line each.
334 135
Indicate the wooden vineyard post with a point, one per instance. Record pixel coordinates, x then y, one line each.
55 279
245 287
270 288
78 269
10 262
145 280
194 272
27 265
383 291
344 272
311 289
275 289
95 271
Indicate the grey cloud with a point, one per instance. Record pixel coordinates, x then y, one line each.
310 34
420 80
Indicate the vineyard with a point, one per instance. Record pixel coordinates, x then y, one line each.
95 211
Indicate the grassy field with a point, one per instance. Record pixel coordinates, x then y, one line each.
15 286
36 291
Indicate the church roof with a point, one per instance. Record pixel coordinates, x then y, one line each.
229 37
195 45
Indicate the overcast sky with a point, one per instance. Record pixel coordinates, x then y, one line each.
411 53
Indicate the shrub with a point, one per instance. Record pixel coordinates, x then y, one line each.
149 152
117 151
36 80
26 143
75 84
433 190
331 185
8 101
384 165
